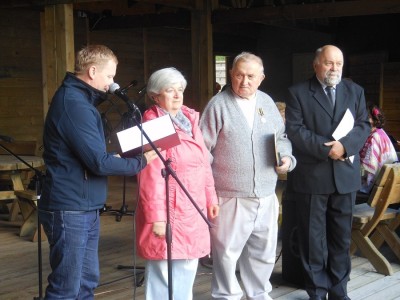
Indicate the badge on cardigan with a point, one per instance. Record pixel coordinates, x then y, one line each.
261 114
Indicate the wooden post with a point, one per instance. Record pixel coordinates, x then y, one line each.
58 51
202 54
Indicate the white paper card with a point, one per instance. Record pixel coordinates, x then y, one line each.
344 127
161 132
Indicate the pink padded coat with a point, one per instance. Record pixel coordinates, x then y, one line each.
191 162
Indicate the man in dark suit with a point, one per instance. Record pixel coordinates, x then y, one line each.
327 175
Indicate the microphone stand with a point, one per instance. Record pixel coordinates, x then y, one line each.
166 173
38 177
126 123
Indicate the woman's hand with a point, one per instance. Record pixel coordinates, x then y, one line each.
159 229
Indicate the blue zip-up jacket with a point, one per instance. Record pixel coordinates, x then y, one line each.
77 163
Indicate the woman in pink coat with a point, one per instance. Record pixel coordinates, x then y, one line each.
190 161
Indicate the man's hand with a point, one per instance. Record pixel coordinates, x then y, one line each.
150 155
159 229
337 150
283 169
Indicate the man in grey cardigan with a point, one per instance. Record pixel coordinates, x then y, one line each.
243 130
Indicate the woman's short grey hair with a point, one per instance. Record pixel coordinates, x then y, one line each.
162 79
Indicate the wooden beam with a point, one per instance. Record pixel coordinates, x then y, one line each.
179 19
124 8
186 4
202 55
58 53
307 11
42 3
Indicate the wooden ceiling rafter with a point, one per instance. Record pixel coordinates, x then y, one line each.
307 11
42 3
180 19
113 14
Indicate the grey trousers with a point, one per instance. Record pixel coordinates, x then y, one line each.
245 234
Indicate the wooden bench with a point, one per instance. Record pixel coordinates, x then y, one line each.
375 222
28 206
7 196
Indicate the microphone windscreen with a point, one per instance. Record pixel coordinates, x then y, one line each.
113 87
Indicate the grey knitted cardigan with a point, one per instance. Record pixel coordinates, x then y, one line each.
242 159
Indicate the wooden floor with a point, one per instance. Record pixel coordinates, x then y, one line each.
19 265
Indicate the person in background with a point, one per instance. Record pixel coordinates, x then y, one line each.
327 176
239 125
77 166
282 178
377 150
217 88
190 161
281 107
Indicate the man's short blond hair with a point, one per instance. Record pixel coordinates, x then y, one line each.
91 55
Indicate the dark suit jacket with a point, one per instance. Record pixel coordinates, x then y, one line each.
310 122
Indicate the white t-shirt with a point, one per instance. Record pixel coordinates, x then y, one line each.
248 107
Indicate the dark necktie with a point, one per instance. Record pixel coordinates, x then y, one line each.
329 92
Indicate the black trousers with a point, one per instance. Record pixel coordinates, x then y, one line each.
324 228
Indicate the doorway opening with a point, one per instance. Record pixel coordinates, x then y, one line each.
220 72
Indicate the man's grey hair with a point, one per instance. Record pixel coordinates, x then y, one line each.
247 56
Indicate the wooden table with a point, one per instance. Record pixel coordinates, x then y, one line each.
13 169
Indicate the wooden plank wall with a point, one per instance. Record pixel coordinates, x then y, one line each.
168 47
390 100
21 113
365 70
380 79
140 52
165 48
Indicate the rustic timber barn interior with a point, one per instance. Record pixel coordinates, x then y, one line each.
39 39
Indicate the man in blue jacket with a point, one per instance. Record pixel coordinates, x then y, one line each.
77 166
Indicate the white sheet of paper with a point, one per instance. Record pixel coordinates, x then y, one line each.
158 129
344 127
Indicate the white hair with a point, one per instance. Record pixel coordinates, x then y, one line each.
164 78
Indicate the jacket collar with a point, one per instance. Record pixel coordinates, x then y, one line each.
320 96
190 113
94 96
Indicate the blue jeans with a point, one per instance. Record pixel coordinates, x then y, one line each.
74 238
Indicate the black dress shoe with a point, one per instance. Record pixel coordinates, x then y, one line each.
317 298
339 298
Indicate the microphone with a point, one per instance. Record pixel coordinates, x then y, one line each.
143 89
131 84
115 89
5 138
